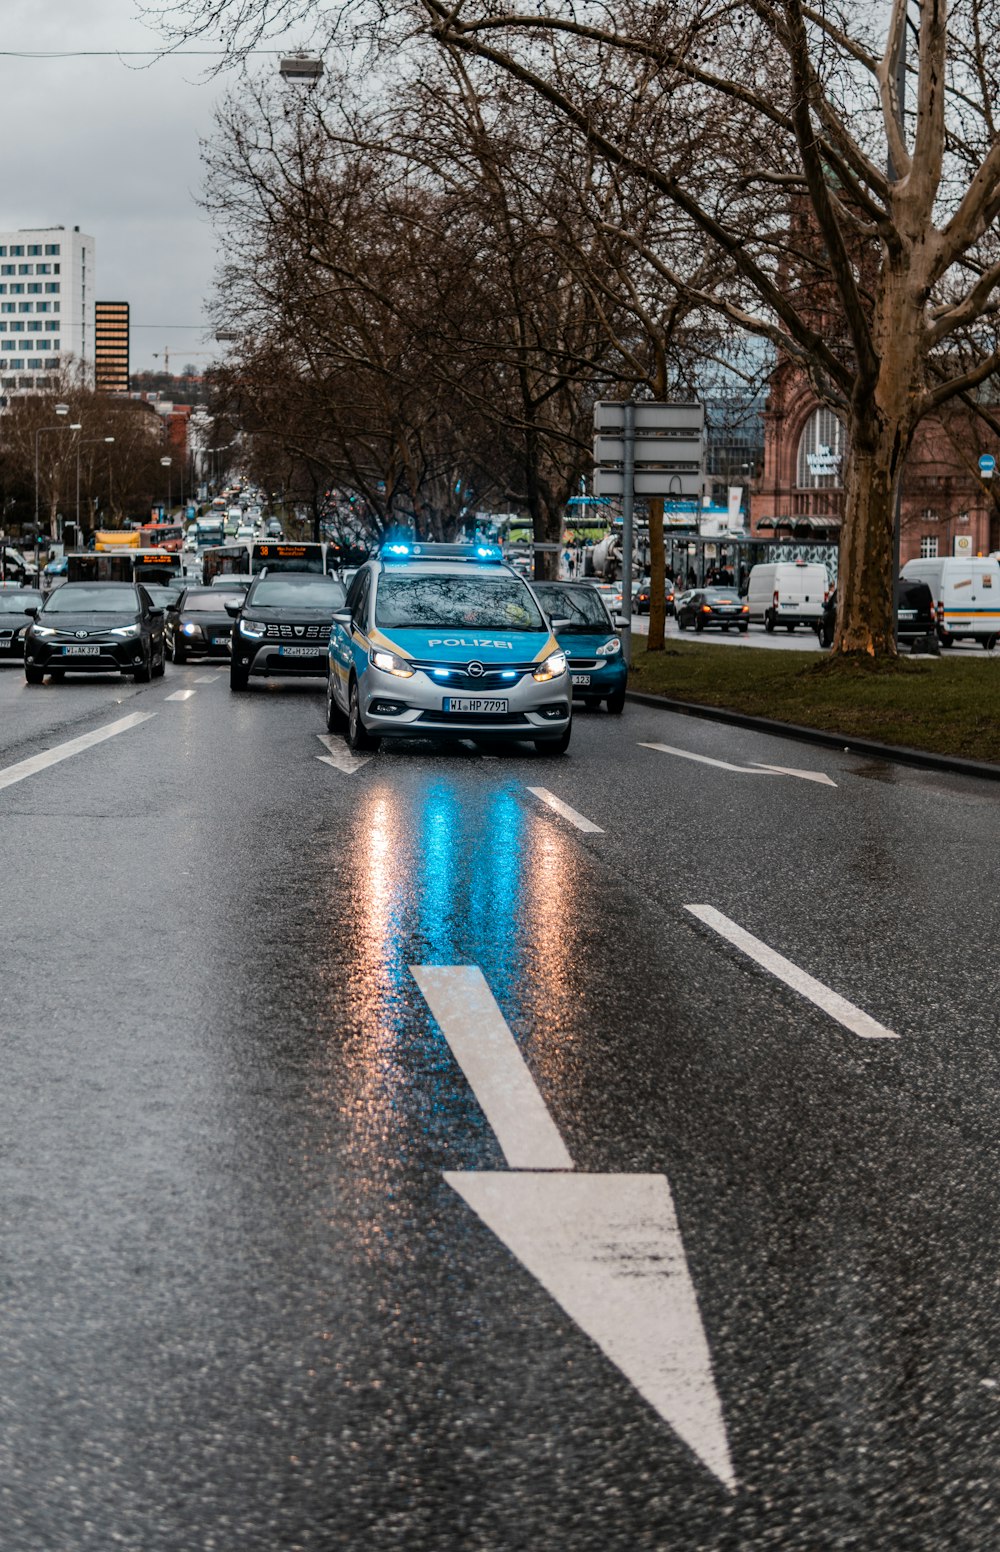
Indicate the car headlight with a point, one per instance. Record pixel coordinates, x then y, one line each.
190 628
42 630
390 663
554 665
610 648
254 628
125 630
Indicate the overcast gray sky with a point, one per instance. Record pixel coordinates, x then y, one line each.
89 142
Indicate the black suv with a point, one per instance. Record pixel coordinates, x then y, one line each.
94 628
282 626
916 615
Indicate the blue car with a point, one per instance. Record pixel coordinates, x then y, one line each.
446 641
587 635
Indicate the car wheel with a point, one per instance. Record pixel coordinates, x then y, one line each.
616 702
145 673
178 656
790 629
32 674
358 738
681 624
238 677
160 663
743 629
699 625
946 639
989 642
334 715
768 621
554 745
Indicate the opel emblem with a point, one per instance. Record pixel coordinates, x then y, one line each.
81 633
476 670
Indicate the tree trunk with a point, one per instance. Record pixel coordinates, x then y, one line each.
657 578
877 448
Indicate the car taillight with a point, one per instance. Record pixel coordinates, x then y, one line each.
706 609
745 609
774 600
939 612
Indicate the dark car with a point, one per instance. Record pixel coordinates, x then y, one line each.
198 625
713 606
587 635
282 626
917 625
94 628
14 600
641 595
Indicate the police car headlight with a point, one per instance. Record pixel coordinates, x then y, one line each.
253 628
390 663
125 630
554 665
609 648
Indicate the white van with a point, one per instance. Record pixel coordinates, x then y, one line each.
966 594
788 593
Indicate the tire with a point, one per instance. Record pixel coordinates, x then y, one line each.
160 663
790 629
554 745
359 740
989 642
945 639
178 655
616 703
681 624
699 626
334 715
769 622
145 673
238 677
32 674
743 629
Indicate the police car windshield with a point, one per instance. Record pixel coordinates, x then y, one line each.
468 601
104 598
582 606
312 592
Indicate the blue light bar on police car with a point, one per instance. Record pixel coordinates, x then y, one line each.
487 553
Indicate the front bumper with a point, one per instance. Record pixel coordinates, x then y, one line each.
215 641
274 659
11 646
111 657
533 710
596 678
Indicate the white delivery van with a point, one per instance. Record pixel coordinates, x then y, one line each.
787 592
966 594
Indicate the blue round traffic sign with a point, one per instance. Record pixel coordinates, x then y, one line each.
987 463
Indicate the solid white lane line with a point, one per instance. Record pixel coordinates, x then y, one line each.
340 757
852 1018
495 1070
758 768
181 695
567 813
41 762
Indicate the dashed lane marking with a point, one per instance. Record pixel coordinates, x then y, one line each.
845 1013
581 822
339 756
207 679
41 762
607 1248
181 695
756 769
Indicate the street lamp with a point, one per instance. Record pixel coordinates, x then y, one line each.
90 442
60 409
166 463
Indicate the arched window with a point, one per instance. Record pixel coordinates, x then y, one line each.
821 452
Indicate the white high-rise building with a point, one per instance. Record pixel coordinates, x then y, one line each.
47 296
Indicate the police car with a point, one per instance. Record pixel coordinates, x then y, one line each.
446 641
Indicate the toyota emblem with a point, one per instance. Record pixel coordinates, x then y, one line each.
81 633
476 670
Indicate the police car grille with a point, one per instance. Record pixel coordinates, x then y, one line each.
476 718
317 631
456 676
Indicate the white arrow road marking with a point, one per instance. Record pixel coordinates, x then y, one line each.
40 762
756 769
181 695
567 813
487 1053
606 1248
791 770
340 757
852 1018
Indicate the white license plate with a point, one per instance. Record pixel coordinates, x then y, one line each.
907 614
82 651
219 641
300 651
474 703
581 678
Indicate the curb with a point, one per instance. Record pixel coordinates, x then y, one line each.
899 754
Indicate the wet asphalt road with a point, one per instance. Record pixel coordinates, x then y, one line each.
241 1307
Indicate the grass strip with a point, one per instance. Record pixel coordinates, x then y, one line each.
948 705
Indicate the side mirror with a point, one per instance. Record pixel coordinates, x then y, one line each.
233 607
621 623
559 625
343 617
156 614
33 611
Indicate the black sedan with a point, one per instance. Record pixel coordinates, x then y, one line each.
197 625
713 606
916 626
94 628
283 625
14 600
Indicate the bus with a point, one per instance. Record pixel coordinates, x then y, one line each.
272 555
225 560
125 566
161 536
111 539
